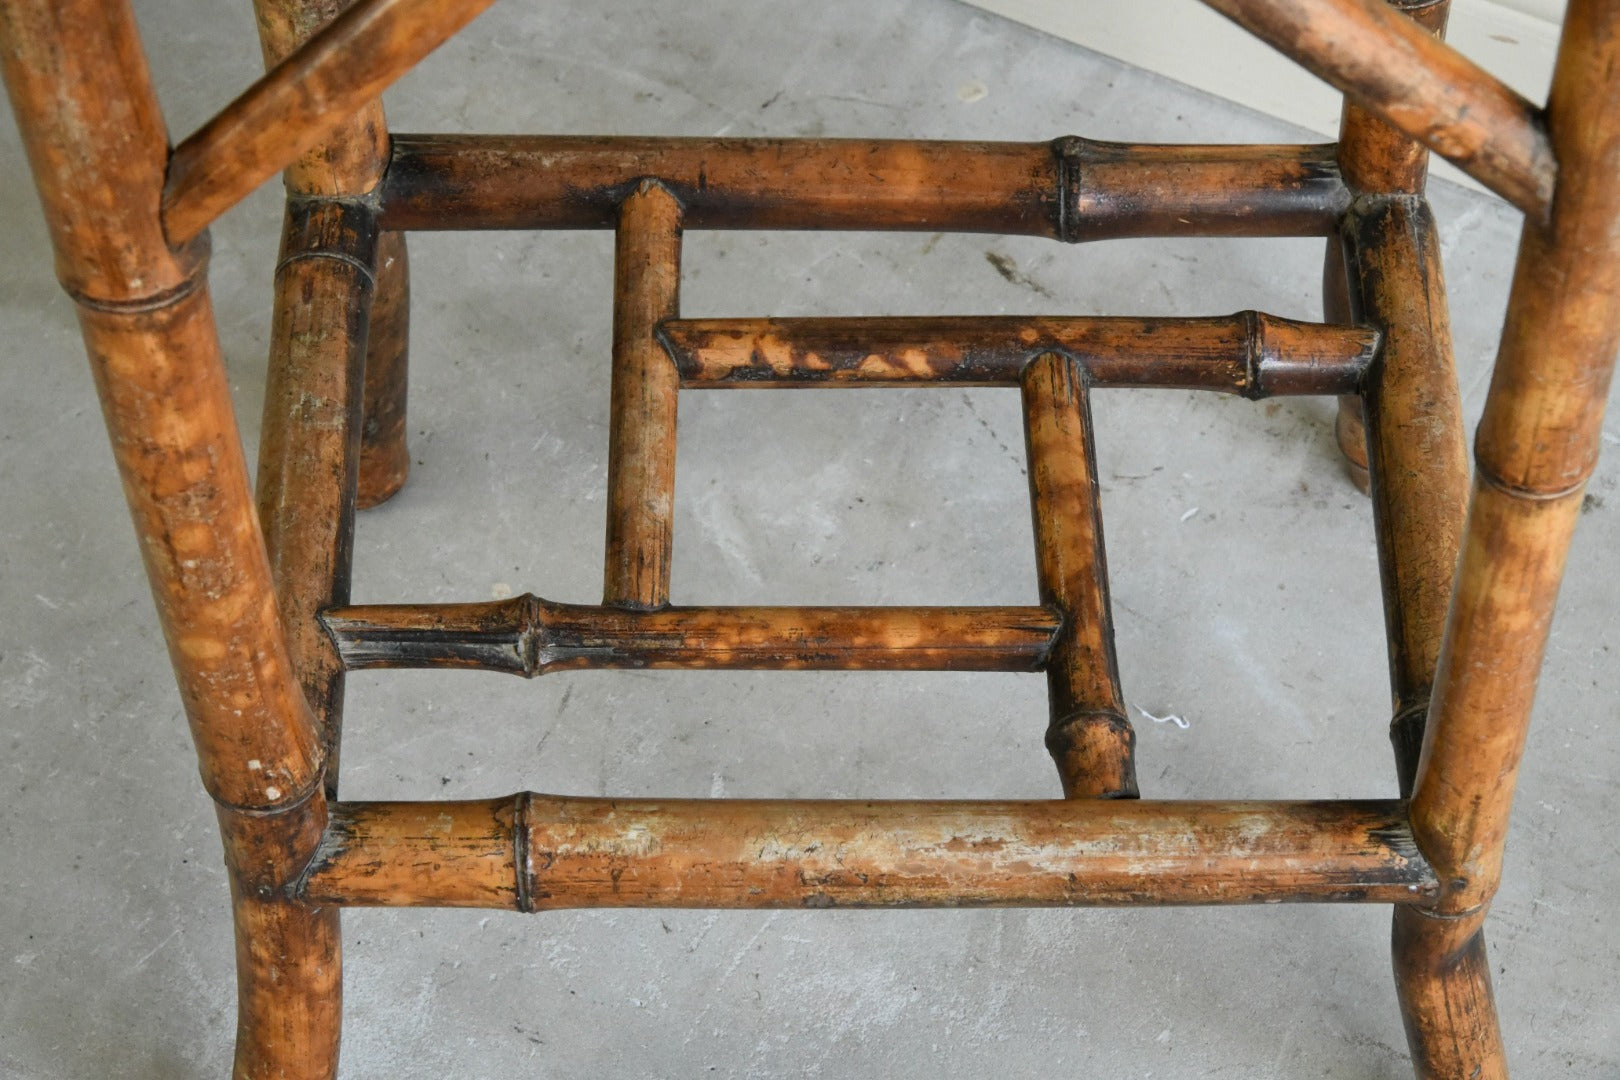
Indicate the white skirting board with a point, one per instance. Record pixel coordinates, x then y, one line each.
1185 41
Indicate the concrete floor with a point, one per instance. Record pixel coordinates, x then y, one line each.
1245 589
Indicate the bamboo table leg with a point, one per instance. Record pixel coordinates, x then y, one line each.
349 163
1373 158
1536 448
149 330
289 956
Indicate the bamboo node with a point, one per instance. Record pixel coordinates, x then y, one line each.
1069 152
192 259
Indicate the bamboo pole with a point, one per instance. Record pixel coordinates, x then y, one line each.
1250 353
1443 981
95 138
1536 446
1089 737
149 330
309 446
1418 451
301 102
353 157
1418 84
1070 189
385 455
1377 159
641 424
538 852
1374 157
350 163
529 636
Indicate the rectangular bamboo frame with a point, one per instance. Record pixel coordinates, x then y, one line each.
257 620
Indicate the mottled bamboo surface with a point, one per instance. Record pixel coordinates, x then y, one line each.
116 941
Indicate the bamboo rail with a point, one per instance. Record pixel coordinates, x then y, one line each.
1250 353
1088 736
529 636
641 413
1418 84
300 102
1071 189
534 852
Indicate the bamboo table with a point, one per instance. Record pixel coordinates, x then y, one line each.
251 584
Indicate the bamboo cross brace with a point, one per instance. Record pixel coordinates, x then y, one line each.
1250 353
1396 68
531 852
1069 189
300 102
529 636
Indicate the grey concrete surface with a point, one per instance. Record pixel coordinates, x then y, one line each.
1245 589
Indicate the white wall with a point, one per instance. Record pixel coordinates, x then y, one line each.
1184 40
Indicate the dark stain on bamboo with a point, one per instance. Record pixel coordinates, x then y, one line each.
310 443
1250 353
1417 448
1089 737
529 636
645 385
1071 189
1399 71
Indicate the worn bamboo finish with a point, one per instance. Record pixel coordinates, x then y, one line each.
309 447
1535 448
301 103
535 852
1443 979
289 959
1537 444
529 636
168 408
385 454
1070 189
641 420
1420 85
348 164
257 622
154 353
1089 737
149 330
1417 447
1250 353
1377 159
1373 156
353 157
